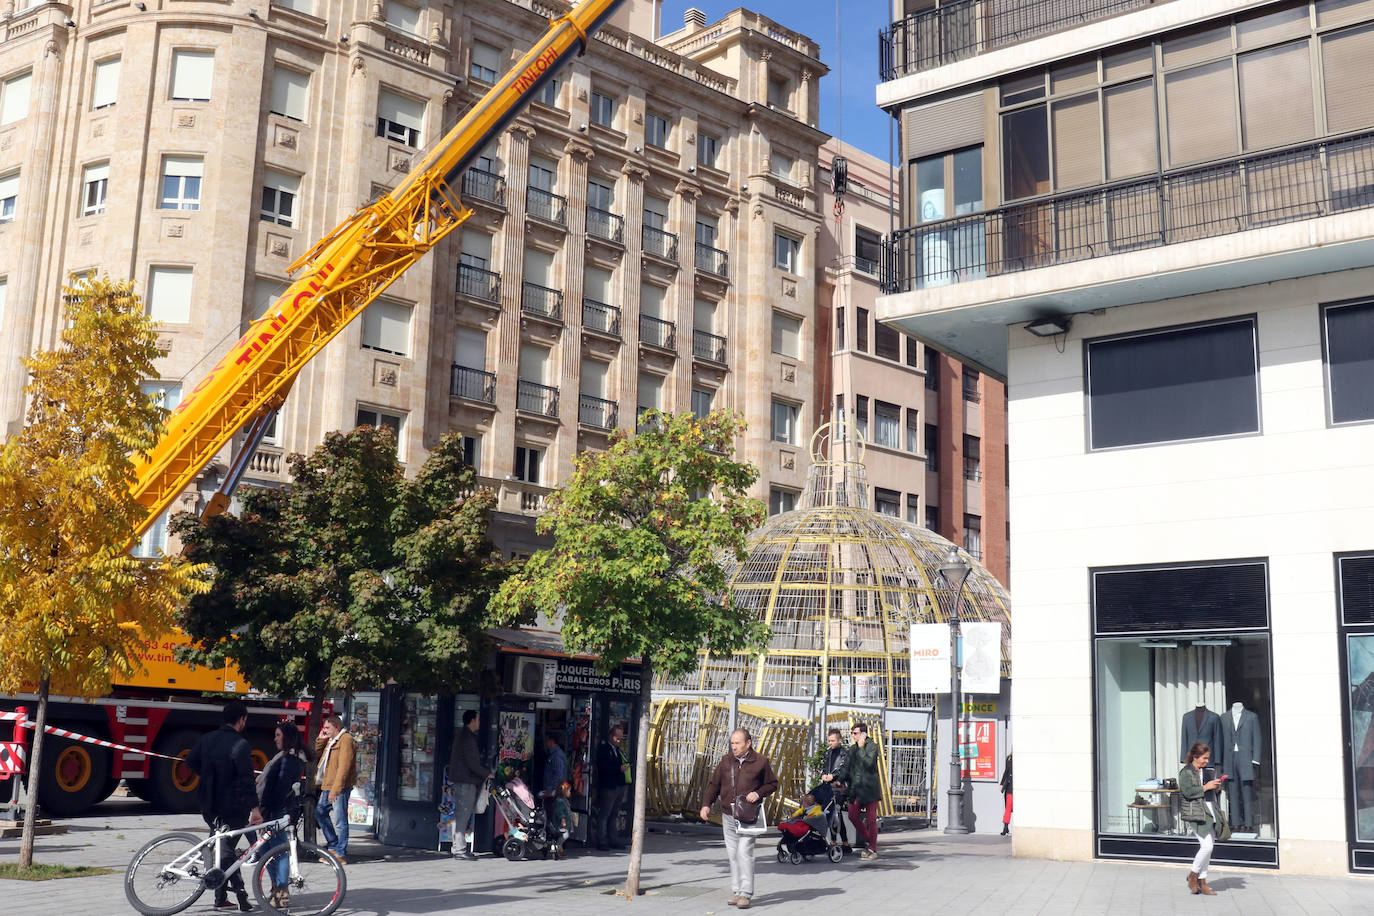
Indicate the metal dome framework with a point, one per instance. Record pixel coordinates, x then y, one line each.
839 585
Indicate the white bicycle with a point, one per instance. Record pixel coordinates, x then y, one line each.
289 876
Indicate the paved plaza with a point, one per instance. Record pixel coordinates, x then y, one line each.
922 871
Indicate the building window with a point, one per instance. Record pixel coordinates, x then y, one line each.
371 416
485 64
656 130
973 458
887 425
472 450
913 508
527 461
786 335
779 93
386 327
404 16
543 174
786 253
300 6
14 98
887 343
786 423
839 328
105 84
708 148
181 178
780 500
400 118
650 392
166 395
279 193
1172 385
95 182
701 402
887 502
1348 332
932 447
861 330
913 353
154 541
913 431
861 415
707 231
169 294
971 379
973 536
932 364
1356 592
548 93
932 518
193 73
290 93
603 109
781 166
868 250
600 196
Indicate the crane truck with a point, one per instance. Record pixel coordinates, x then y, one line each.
335 280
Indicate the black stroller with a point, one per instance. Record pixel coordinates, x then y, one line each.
526 832
804 839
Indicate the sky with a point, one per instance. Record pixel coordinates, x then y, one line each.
853 71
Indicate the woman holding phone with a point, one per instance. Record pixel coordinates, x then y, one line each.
1199 811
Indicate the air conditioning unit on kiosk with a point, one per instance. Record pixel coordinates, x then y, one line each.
531 677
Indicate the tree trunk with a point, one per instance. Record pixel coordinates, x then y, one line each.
646 675
34 770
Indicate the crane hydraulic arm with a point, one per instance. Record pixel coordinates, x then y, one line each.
343 273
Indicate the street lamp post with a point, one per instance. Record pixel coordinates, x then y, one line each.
954 571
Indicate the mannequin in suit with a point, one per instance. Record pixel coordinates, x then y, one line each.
1240 735
1202 725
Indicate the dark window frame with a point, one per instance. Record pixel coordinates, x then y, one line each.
1328 382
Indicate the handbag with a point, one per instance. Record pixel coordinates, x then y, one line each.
483 797
758 825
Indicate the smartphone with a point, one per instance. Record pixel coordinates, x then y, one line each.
1224 777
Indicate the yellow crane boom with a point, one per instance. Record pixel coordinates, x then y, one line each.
343 273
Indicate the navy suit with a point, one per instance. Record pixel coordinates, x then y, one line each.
1209 733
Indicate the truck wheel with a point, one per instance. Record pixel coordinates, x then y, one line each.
171 785
73 778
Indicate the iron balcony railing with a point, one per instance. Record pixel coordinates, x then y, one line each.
479 283
1301 182
972 470
546 205
603 224
657 333
711 260
532 397
473 384
659 243
966 28
596 412
598 316
485 185
541 301
708 346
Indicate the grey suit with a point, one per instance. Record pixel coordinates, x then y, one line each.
1209 733
1243 746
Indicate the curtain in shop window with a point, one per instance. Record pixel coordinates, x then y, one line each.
1184 677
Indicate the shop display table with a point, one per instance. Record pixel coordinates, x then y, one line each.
1160 813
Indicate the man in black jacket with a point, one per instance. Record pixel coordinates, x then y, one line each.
612 779
466 772
227 790
834 760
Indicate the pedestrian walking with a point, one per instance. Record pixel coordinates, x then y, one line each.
468 775
335 777
742 780
834 759
555 774
1006 792
859 774
1198 808
227 792
613 778
275 797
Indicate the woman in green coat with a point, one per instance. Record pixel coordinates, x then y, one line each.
1199 811
860 775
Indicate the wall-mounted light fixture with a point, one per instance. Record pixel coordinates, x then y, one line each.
1048 327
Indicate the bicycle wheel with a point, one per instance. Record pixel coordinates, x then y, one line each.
315 888
153 889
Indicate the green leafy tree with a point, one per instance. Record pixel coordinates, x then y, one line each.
635 568
351 575
72 600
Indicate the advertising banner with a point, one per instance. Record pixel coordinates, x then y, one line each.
978 748
929 658
982 657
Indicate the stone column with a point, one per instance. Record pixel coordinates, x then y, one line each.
626 373
511 267
688 193
579 157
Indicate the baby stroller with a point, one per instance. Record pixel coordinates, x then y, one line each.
808 837
526 832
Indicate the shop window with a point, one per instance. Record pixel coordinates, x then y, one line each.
1348 332
1173 385
418 734
1356 583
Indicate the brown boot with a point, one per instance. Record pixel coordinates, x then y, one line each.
1204 889
1192 882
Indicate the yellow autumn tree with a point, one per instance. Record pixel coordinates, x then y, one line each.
72 599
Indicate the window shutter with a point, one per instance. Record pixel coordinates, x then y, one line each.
386 326
1349 78
99 172
538 266
169 294
704 316
1276 96
1199 45
290 90
1132 139
1267 28
14 98
657 207
786 335
404 16
650 390
471 349
477 244
183 166
594 378
281 181
1077 142
651 300
9 186
597 284
533 361
1200 103
105 86
1343 12
193 73
943 126
486 56
400 109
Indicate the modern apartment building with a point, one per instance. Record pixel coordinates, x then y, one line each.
1156 221
935 429
641 232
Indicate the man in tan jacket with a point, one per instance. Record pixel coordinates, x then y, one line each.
336 772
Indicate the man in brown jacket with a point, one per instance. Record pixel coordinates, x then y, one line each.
336 773
742 779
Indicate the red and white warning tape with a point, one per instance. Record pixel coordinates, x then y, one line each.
73 736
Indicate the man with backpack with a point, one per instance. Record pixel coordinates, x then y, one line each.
228 791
